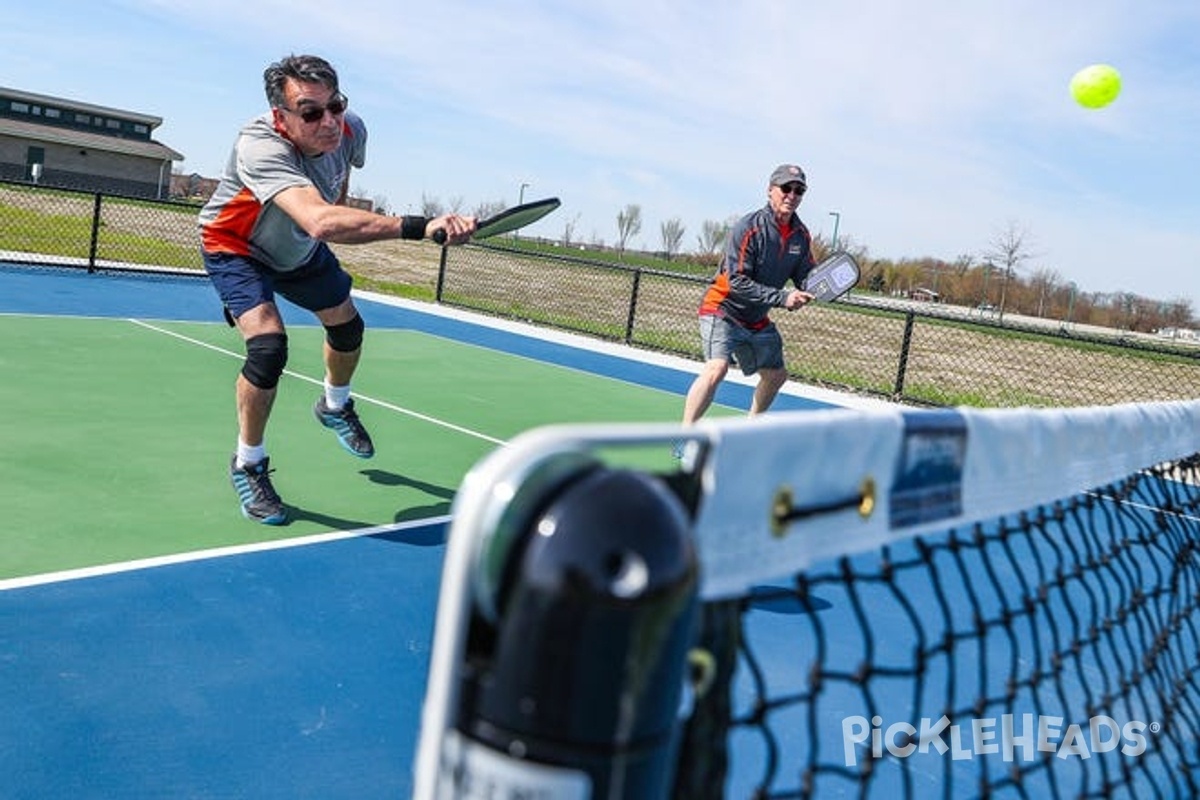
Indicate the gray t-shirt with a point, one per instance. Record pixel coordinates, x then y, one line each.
241 219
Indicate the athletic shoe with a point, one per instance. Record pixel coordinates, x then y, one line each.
253 486
346 424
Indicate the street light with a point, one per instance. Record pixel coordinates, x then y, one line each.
837 218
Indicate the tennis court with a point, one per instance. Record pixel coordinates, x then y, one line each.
155 644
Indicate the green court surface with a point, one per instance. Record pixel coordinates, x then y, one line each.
118 434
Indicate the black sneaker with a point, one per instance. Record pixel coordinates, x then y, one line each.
346 424
253 486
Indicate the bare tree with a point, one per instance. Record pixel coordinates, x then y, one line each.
963 264
1043 281
456 204
712 236
672 236
489 209
629 224
1008 249
431 206
569 231
1179 312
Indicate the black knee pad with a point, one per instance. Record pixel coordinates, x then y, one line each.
266 356
347 337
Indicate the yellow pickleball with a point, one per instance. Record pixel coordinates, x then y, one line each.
1096 86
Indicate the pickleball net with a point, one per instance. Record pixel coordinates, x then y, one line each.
936 604
1049 653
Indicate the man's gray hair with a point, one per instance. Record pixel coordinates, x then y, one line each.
307 69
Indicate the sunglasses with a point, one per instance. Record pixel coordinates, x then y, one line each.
793 188
314 113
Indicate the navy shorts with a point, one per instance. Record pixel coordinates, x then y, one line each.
750 350
243 282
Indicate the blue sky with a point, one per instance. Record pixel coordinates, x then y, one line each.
930 126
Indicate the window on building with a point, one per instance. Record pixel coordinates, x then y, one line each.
20 108
53 113
83 119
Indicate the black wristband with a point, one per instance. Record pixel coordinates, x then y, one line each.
412 227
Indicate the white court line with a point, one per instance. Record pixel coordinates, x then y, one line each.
318 382
211 553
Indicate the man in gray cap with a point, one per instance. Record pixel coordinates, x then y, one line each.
766 248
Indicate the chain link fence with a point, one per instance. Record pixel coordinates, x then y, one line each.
911 352
78 228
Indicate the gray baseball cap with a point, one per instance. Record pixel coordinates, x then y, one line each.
788 173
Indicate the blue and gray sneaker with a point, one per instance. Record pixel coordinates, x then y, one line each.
253 486
346 424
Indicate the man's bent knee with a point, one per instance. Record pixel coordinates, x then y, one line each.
715 370
347 337
773 377
266 356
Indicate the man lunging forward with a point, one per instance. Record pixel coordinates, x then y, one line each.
265 231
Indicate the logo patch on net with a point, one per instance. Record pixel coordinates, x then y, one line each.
928 482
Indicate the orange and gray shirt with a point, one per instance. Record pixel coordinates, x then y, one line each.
241 219
759 259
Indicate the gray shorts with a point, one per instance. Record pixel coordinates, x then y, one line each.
749 350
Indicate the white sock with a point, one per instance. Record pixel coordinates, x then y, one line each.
336 396
250 454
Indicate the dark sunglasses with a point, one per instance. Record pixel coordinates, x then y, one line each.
793 188
315 113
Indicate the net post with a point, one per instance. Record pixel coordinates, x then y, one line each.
703 749
573 688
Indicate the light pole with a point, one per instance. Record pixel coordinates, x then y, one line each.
837 218
520 200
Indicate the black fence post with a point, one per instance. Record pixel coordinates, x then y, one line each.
95 243
909 320
441 278
633 299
